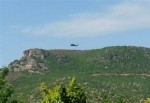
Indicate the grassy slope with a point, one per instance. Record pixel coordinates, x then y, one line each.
84 64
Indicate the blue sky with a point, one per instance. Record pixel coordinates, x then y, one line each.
55 24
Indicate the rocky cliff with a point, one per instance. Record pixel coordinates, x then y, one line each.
35 60
30 61
35 53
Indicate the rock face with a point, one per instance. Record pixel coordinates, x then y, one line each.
37 53
35 60
30 61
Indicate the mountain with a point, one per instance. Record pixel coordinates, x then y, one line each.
119 69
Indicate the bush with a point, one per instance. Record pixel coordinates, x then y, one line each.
72 93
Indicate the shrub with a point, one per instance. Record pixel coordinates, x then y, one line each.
71 93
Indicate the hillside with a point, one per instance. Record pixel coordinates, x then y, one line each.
119 70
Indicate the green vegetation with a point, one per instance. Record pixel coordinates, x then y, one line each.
72 93
6 89
121 72
147 100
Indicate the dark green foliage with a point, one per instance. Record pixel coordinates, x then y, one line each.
6 89
4 72
75 93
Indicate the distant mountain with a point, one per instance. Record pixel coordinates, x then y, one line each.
122 57
36 60
127 68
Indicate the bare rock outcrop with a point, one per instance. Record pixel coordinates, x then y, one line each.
37 53
30 61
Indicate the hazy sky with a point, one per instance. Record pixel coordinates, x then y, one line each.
55 24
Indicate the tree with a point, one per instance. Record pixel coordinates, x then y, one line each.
72 93
6 89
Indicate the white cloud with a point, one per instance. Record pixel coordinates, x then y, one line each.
126 16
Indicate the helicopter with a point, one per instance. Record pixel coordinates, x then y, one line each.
74 44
